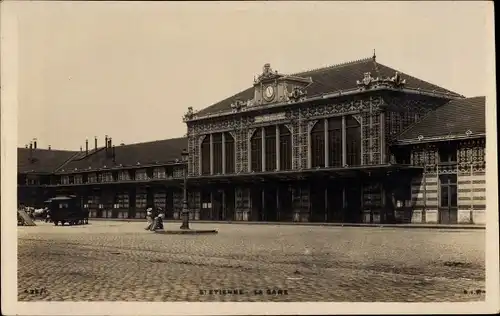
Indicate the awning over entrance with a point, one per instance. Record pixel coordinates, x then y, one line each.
305 174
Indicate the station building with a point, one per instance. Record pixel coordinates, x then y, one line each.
356 142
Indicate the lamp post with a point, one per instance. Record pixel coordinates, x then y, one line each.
185 211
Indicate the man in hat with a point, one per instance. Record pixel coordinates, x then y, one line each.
158 219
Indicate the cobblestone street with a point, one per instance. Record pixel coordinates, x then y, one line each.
118 261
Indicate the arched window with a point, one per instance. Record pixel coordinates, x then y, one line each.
318 145
256 151
353 140
270 146
335 141
205 155
285 148
217 143
229 153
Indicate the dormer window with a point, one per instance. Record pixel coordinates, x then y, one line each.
78 179
448 153
92 178
65 180
159 173
123 175
107 177
141 175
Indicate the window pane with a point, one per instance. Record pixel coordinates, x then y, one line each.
318 145
444 196
453 195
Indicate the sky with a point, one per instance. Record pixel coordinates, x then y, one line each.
130 70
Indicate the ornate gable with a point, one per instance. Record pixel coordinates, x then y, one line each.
272 87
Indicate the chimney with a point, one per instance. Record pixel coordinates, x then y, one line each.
50 148
26 146
95 141
86 146
31 151
81 149
106 143
109 140
114 154
34 143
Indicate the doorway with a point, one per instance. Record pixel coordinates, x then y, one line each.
256 195
217 198
270 213
285 211
352 209
448 199
318 201
229 204
335 198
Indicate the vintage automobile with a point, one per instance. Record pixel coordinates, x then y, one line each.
67 209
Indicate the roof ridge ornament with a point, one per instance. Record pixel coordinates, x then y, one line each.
239 104
298 94
267 74
189 114
369 82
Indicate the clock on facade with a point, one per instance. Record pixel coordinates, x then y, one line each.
269 93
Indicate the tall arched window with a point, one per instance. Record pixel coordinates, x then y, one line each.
335 141
285 148
229 153
318 145
270 146
353 140
217 143
205 155
256 151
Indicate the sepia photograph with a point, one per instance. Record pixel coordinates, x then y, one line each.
248 158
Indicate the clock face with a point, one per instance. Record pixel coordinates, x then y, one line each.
269 92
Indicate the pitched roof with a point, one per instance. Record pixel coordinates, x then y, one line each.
155 152
42 160
335 78
454 118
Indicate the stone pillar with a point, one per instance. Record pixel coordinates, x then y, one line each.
224 153
327 144
263 148
200 157
383 150
305 211
249 154
248 204
344 143
211 154
309 148
278 154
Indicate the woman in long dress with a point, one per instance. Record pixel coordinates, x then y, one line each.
149 218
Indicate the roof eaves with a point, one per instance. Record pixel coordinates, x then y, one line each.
321 96
440 138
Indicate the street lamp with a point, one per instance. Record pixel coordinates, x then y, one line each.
185 211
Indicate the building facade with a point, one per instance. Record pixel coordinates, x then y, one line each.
355 142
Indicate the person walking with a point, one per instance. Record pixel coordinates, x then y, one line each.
149 218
